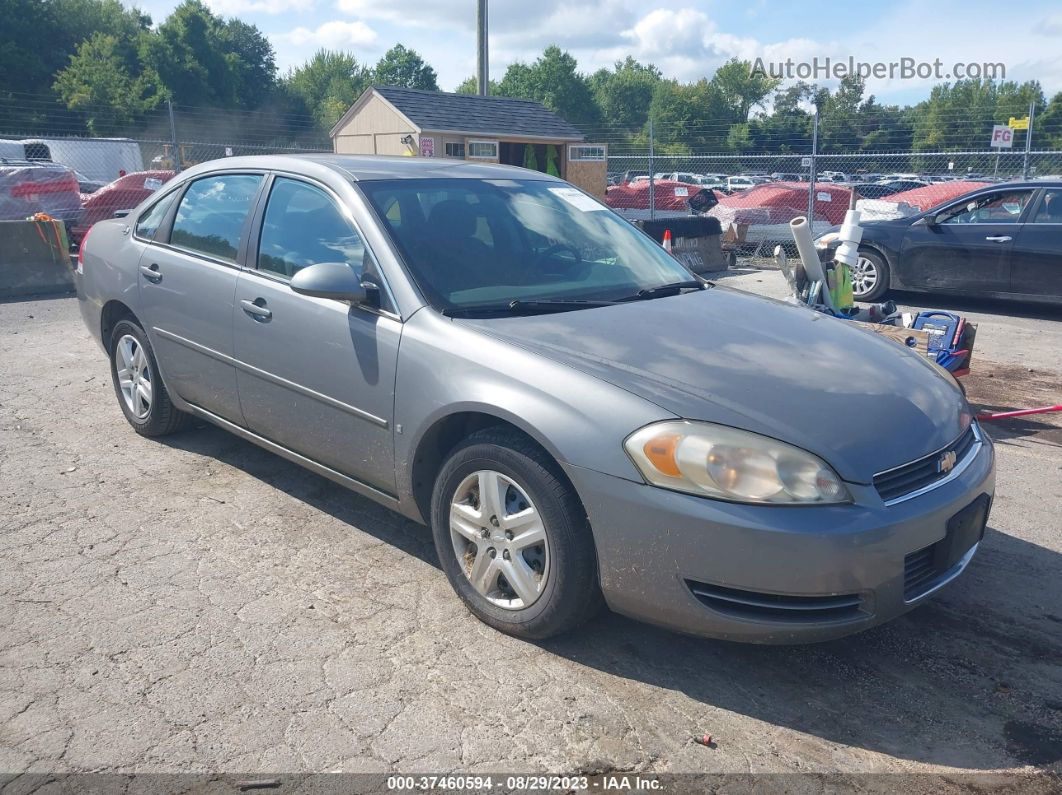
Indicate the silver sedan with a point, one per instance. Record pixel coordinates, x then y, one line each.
578 418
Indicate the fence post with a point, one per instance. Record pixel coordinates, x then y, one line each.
1028 141
812 170
652 167
173 138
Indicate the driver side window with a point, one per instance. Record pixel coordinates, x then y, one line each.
1002 207
303 226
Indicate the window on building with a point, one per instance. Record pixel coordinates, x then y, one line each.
586 153
455 149
485 150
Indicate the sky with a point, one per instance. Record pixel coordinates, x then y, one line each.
687 39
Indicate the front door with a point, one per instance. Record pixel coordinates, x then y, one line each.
968 247
187 283
1036 267
315 375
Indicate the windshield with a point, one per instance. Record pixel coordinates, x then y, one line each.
471 243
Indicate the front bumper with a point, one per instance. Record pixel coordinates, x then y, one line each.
770 574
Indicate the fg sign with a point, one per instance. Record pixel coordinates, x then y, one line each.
1002 137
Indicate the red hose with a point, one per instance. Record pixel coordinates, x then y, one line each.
1003 415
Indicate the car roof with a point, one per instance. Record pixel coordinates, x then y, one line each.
364 168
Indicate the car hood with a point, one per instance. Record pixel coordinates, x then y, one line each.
860 401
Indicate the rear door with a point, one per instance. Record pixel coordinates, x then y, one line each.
315 375
968 248
1036 262
187 281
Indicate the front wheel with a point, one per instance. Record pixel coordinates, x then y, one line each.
870 276
512 537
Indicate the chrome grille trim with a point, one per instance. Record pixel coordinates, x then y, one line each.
960 466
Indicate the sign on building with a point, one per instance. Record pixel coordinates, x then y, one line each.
427 146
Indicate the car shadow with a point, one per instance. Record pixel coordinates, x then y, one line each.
987 306
970 680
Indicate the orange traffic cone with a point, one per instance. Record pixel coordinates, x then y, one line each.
667 240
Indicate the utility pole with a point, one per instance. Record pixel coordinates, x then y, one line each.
652 186
482 61
173 139
1028 141
812 170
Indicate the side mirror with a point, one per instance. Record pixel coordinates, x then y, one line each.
335 280
121 213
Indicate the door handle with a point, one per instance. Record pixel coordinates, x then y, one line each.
256 309
999 238
151 272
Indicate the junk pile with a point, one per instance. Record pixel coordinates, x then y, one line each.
943 337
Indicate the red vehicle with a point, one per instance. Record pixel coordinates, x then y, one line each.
124 193
668 195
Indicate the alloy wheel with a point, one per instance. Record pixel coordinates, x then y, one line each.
499 539
864 276
134 376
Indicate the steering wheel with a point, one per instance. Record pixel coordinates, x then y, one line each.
536 269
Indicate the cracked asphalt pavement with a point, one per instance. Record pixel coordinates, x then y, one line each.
198 604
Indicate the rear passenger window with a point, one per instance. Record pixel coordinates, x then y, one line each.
303 226
212 214
149 221
1050 211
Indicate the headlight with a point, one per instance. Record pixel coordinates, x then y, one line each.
728 464
822 241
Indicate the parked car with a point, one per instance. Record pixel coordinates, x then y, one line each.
124 193
86 186
742 182
882 189
788 176
631 175
999 240
28 188
577 416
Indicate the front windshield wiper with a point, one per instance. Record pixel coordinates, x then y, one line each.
555 305
518 306
669 289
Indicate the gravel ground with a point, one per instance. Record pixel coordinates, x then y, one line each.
199 604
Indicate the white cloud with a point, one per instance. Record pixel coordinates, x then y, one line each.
334 34
1050 25
237 7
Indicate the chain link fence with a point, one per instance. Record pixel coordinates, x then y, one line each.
48 164
760 192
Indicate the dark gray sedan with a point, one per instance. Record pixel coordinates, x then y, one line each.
578 418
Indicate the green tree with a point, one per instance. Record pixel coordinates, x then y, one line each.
683 115
554 80
470 85
39 37
740 89
205 60
401 66
106 82
328 84
624 93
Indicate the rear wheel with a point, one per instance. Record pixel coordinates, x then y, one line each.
870 276
135 373
512 537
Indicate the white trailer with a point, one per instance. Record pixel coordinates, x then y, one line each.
102 159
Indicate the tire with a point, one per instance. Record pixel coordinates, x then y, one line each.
563 568
877 270
155 414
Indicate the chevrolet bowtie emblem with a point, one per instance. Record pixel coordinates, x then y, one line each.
946 462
